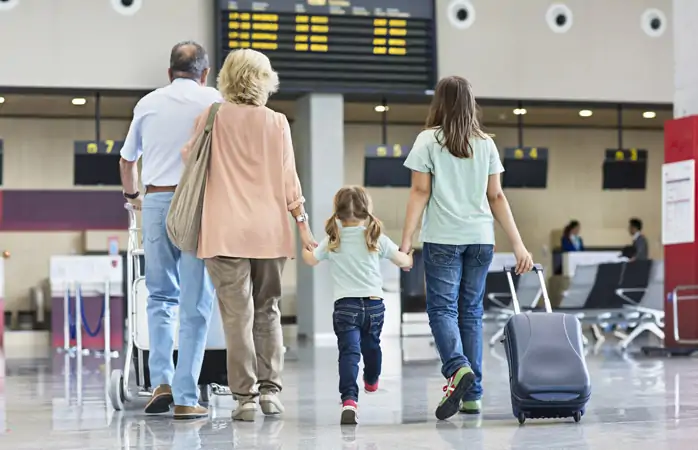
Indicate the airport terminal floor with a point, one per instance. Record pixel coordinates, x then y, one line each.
637 403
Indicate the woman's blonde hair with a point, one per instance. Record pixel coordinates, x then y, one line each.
353 203
247 78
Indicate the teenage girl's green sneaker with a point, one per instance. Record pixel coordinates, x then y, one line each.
455 390
471 407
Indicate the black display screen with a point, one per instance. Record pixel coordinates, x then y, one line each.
384 166
525 167
625 169
96 165
336 45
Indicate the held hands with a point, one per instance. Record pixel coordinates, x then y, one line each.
524 259
307 239
408 267
406 247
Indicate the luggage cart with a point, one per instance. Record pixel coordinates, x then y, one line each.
213 378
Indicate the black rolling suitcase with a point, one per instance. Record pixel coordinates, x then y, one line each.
548 374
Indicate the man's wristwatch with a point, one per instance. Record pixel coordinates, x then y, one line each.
300 218
131 196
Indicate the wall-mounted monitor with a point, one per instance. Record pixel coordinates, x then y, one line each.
525 167
384 166
625 169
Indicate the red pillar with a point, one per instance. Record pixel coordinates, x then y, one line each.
681 259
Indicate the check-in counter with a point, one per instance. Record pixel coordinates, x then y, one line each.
571 260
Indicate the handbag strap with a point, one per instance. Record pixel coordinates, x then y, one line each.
211 117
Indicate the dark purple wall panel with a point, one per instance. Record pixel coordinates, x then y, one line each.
34 210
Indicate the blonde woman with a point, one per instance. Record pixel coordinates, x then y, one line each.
245 239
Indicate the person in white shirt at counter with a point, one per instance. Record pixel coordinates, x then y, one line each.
571 241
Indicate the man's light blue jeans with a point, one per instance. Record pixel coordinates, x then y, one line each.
173 278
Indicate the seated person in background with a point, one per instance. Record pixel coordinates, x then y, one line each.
640 246
571 241
628 252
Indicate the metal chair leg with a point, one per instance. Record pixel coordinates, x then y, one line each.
598 334
497 337
648 326
656 330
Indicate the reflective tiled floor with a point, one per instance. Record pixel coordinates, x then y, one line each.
637 403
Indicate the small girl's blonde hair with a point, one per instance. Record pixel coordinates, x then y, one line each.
353 203
247 78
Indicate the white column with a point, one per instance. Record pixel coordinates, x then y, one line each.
318 138
685 28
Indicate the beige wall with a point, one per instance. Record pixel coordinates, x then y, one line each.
508 52
38 154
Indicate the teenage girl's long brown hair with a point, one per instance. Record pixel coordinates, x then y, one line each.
453 111
352 203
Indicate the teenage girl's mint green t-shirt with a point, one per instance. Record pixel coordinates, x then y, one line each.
458 212
356 271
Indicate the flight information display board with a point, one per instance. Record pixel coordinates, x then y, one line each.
345 46
97 164
525 167
384 166
625 169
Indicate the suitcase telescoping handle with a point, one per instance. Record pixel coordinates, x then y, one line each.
538 268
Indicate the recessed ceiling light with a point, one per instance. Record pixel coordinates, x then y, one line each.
520 111
649 114
585 113
2 100
78 101
381 108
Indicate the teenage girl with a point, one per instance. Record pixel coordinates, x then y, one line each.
456 185
354 246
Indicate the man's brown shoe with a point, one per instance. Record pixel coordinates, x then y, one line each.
190 412
161 400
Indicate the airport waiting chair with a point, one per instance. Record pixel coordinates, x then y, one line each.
586 286
604 306
528 291
650 305
581 284
635 277
497 299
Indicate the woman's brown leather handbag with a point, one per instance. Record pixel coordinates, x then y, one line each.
184 216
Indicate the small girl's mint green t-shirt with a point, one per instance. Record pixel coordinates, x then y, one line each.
458 212
355 270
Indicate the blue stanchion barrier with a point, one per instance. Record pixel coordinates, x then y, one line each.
72 316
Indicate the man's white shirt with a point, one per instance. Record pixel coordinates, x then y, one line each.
163 122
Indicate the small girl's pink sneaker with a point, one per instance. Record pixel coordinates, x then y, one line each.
370 388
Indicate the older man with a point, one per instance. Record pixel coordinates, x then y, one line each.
162 124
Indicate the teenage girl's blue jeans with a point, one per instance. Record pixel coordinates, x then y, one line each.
174 278
455 278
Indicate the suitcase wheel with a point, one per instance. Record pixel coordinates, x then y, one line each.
522 418
577 416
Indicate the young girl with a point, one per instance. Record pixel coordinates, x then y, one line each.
455 184
354 250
